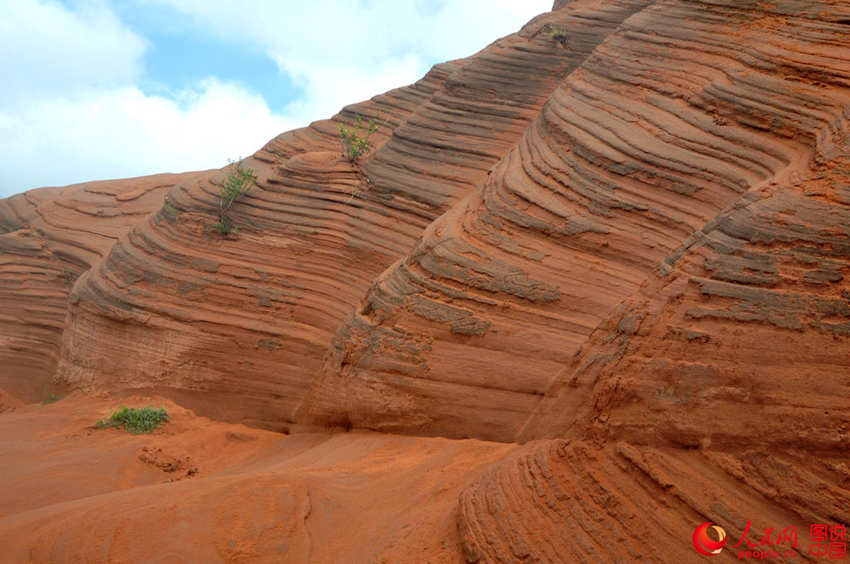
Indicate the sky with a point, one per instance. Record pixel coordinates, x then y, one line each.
102 89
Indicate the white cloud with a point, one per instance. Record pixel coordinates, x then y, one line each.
124 132
330 87
344 51
71 108
47 49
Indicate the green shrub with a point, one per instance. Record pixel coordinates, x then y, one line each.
556 33
238 182
355 141
225 225
69 277
135 420
50 397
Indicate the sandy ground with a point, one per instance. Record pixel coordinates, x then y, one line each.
202 491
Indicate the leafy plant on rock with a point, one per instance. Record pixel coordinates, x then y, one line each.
355 140
556 33
238 182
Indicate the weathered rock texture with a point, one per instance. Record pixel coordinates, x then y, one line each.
239 329
687 111
48 238
562 501
621 235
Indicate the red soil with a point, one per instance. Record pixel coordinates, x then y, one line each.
202 491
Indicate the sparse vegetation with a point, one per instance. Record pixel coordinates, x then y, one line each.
50 397
10 228
355 141
238 182
135 420
557 33
69 277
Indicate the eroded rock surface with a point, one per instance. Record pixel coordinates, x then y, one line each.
628 167
239 329
621 236
48 238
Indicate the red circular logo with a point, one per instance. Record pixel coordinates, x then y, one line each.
706 545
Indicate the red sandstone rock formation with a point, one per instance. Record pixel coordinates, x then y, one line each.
239 329
48 238
621 235
630 165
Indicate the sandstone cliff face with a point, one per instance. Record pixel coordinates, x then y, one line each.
574 501
629 167
621 235
239 329
48 238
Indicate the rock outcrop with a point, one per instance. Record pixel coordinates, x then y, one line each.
239 329
48 238
620 236
630 166
562 501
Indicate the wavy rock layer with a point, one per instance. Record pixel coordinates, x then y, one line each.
670 121
622 234
237 329
716 391
48 237
561 501
748 330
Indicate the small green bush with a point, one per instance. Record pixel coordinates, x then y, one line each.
355 141
557 33
135 420
225 225
50 397
238 182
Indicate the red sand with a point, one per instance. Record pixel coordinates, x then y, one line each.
201 491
